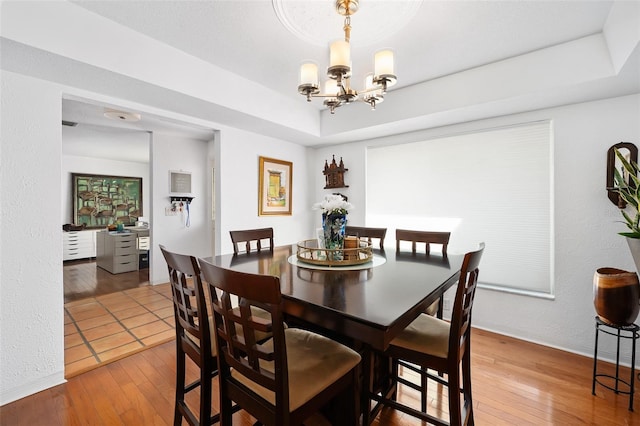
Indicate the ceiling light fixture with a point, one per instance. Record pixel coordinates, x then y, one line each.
121 115
337 90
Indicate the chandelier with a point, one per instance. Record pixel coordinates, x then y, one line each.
337 90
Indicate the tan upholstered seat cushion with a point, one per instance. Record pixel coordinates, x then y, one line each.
314 362
261 313
260 336
433 308
214 349
425 334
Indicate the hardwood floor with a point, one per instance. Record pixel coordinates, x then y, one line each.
83 279
514 383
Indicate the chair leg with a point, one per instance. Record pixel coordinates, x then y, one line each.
180 383
423 385
348 402
395 372
367 387
455 415
205 396
354 391
226 412
466 383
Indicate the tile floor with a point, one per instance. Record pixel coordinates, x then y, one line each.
105 328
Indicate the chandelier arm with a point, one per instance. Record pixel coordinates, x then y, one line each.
370 89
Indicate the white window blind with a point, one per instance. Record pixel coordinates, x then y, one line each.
492 186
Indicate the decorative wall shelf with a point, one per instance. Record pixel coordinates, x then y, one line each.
187 200
334 174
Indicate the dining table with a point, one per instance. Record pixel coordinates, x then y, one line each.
364 306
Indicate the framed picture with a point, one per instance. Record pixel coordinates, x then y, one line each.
101 200
274 190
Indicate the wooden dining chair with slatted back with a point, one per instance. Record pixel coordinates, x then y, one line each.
429 238
443 346
193 337
286 379
253 239
367 233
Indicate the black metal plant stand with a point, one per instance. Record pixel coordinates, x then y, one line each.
633 329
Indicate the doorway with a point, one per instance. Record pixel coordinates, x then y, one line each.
103 311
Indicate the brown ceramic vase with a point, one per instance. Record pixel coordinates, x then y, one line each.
616 295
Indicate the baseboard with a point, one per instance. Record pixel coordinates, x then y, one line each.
31 388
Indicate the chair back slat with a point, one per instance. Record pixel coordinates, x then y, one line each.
247 236
368 233
427 237
190 309
193 339
462 307
236 327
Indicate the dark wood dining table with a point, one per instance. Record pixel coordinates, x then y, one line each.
369 305
364 308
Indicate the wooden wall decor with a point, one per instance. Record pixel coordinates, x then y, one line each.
631 152
334 174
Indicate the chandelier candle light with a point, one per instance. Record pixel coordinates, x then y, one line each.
338 89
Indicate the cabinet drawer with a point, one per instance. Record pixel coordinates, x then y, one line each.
70 238
125 246
85 245
78 245
73 255
144 243
125 263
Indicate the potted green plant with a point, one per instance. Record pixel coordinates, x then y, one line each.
628 188
616 293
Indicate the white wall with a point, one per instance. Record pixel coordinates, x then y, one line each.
171 153
238 197
31 294
100 166
31 320
31 287
586 222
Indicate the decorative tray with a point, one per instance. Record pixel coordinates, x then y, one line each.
309 252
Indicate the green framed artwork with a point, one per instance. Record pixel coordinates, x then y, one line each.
103 200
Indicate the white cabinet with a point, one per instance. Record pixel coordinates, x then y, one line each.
78 245
117 252
144 241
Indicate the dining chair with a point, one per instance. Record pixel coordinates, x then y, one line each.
428 238
289 377
193 337
431 343
247 236
368 233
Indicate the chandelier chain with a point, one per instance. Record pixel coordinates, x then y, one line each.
347 28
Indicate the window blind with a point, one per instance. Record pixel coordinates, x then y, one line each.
492 186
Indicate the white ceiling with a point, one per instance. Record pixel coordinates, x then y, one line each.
442 38
432 40
95 135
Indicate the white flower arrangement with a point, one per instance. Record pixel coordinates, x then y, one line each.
333 203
